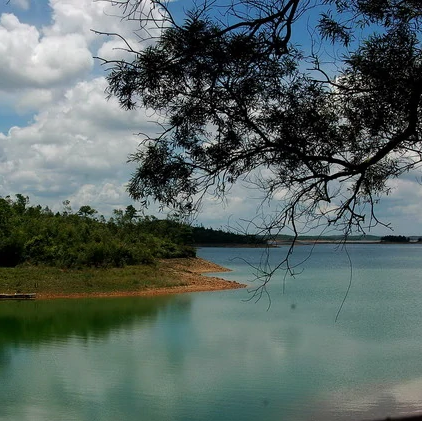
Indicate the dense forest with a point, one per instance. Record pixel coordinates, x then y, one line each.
37 235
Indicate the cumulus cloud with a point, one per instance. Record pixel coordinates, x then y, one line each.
90 17
32 60
105 196
75 144
55 56
83 16
34 99
74 147
117 49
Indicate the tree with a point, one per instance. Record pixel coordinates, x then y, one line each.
131 212
87 211
239 100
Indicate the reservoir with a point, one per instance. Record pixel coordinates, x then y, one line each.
220 356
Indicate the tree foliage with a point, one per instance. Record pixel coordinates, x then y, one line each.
35 235
238 99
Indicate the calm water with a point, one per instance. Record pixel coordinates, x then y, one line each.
216 356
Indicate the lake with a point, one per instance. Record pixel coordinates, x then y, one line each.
219 356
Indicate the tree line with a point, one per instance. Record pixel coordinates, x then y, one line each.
210 236
37 235
398 239
32 234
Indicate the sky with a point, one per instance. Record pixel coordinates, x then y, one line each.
61 139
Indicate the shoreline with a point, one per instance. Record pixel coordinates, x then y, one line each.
189 271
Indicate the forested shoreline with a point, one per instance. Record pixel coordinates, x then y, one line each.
35 235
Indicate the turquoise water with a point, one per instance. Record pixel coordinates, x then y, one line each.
217 356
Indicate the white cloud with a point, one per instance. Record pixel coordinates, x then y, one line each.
117 49
38 59
104 196
85 16
76 144
77 147
35 61
34 99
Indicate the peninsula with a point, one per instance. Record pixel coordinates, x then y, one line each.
167 276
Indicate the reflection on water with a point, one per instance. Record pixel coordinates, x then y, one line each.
215 357
32 322
80 359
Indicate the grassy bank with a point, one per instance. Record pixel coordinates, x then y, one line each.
166 276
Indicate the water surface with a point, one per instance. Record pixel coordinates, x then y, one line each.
217 356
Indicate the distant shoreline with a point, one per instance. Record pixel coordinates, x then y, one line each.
302 242
349 242
231 245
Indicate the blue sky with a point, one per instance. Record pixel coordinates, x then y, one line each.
60 139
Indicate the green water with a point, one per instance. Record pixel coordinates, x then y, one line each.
216 356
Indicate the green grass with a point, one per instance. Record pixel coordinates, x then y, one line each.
51 280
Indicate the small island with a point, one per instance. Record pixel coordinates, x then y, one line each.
401 239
